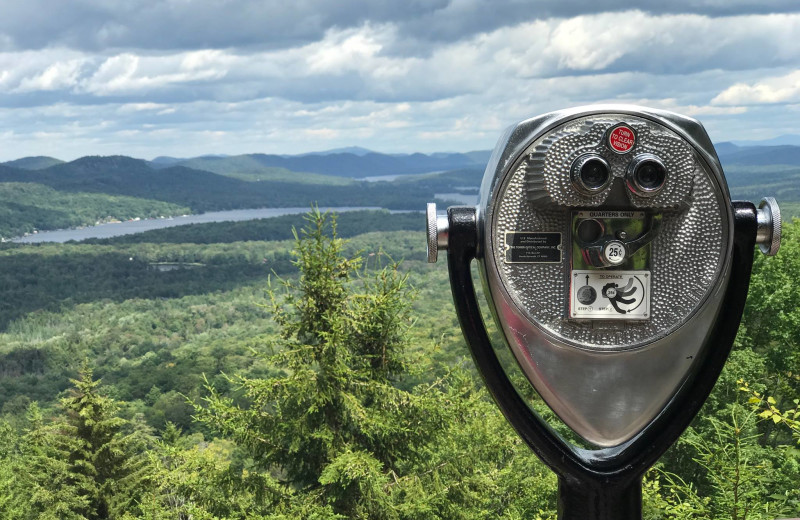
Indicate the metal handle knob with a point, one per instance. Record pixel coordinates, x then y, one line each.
437 232
768 235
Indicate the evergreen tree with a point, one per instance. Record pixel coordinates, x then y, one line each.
335 423
104 454
55 488
12 495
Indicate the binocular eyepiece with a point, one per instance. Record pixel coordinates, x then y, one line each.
646 175
590 174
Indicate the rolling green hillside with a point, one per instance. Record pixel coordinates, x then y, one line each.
175 348
755 182
206 191
246 182
150 347
25 207
247 168
345 164
33 163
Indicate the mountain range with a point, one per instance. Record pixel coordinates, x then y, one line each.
343 164
357 163
203 190
336 177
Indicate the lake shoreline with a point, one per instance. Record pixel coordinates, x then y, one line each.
129 227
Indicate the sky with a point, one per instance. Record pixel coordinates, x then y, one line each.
191 77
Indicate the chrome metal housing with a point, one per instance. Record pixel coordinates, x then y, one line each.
605 385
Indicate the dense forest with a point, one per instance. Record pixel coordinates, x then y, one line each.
240 370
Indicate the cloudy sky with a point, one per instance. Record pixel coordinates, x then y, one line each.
190 77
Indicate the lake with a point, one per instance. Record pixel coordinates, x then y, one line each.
138 226
393 177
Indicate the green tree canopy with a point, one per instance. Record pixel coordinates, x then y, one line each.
334 419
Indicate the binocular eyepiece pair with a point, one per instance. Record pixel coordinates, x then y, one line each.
616 267
645 176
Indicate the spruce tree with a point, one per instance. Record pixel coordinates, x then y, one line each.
12 492
334 423
55 488
102 453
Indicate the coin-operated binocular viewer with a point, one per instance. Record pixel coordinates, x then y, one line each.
616 267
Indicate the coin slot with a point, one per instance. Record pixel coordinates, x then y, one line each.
590 230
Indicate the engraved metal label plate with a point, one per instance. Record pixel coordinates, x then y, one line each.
533 248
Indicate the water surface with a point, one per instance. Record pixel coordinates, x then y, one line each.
138 226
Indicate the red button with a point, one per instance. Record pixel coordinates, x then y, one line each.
621 139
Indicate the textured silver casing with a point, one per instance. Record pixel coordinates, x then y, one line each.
606 381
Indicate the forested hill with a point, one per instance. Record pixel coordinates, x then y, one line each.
730 153
201 190
33 163
356 165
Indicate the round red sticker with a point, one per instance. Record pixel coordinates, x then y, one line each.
621 139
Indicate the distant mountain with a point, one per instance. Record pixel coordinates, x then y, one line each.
480 156
203 190
786 139
33 163
730 153
260 180
211 163
343 164
120 175
725 147
355 150
162 161
249 168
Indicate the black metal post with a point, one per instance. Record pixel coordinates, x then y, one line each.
583 500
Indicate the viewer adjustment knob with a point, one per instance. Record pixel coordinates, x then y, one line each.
437 232
768 236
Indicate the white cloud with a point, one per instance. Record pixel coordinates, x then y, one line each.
781 89
356 63
368 81
595 42
128 73
59 75
46 70
128 108
322 133
674 43
342 51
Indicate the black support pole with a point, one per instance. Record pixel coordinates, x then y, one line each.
584 500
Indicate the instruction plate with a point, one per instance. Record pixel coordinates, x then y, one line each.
610 295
